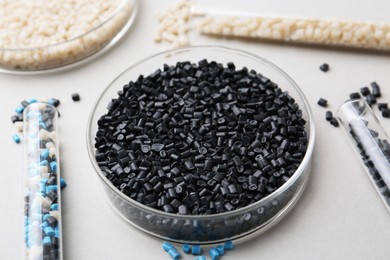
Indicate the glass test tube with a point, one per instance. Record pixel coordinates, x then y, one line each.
371 143
307 30
41 190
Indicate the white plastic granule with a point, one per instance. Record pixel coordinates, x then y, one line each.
43 34
174 24
315 31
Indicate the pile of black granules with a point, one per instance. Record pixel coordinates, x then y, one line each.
200 138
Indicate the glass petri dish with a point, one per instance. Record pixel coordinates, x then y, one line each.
239 224
80 48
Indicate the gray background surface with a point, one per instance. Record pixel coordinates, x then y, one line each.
339 216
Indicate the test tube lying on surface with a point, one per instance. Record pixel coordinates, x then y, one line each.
333 32
371 143
41 190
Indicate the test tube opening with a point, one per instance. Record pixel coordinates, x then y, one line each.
371 143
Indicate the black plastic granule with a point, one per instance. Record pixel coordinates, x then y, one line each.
55 102
376 92
324 67
382 106
354 95
328 115
195 134
386 112
371 100
365 91
16 118
75 97
322 102
24 103
334 122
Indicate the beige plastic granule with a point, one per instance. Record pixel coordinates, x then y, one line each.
43 34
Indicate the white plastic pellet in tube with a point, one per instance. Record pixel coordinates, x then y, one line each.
41 184
371 143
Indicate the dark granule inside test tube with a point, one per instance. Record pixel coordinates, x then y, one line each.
373 171
200 138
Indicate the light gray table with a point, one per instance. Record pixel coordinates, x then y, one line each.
339 216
